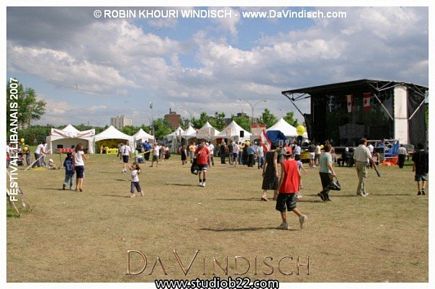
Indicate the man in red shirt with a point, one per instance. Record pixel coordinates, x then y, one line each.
202 156
288 188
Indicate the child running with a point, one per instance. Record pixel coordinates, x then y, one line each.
135 170
68 164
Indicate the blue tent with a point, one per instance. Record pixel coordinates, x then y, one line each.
275 136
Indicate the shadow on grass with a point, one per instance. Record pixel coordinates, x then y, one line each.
370 195
248 229
55 189
181 185
310 201
116 196
242 199
122 180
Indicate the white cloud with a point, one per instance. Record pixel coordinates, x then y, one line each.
61 68
118 58
229 23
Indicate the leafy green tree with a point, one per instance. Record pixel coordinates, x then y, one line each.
218 120
243 120
184 123
146 128
29 107
82 127
267 118
198 123
35 134
129 129
161 128
290 118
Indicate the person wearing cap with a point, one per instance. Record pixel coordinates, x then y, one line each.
363 158
288 189
326 172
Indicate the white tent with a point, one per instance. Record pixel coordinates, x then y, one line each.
178 132
233 131
287 129
142 136
112 133
189 132
69 137
207 131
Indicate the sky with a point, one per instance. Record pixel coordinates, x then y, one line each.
90 68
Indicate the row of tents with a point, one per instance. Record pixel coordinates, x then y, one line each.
70 136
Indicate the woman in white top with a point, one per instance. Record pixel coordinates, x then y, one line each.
79 166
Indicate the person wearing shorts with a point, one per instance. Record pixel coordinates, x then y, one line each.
125 153
288 189
79 166
202 156
135 170
421 168
156 155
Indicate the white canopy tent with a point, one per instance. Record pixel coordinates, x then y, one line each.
142 136
189 132
176 133
207 131
174 138
69 137
233 131
112 133
287 129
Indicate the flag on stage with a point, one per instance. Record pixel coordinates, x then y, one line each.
366 101
349 99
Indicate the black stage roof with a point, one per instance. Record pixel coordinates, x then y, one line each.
376 84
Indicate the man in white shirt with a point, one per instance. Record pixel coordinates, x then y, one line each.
371 148
402 152
297 152
39 154
363 158
156 155
125 153
211 153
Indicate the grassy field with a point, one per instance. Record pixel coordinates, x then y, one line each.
85 236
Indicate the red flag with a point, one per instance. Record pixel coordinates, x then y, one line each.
349 99
366 101
264 141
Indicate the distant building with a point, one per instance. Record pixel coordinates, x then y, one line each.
120 121
173 118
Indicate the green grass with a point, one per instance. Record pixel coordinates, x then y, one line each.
84 236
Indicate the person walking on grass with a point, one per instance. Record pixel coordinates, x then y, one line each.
202 156
402 153
326 172
68 164
125 152
270 174
421 168
363 158
135 170
79 166
156 155
288 189
183 153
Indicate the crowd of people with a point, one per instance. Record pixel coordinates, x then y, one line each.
281 166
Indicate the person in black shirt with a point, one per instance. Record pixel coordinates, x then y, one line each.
421 168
